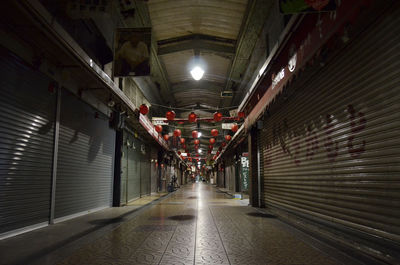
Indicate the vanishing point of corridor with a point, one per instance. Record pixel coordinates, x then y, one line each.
199 224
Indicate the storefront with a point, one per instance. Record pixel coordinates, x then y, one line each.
136 168
328 147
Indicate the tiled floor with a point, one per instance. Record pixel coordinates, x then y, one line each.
198 225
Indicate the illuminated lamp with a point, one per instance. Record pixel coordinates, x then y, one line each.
166 137
212 140
143 109
158 128
214 132
234 127
195 134
192 117
228 137
217 116
177 133
170 115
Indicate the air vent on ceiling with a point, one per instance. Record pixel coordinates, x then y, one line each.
227 94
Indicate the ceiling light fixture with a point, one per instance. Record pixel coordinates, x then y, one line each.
197 73
199 135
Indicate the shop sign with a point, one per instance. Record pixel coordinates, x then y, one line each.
159 121
227 126
145 122
244 172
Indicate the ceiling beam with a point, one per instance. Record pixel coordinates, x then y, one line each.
253 21
197 42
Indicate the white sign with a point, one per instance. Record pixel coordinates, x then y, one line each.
292 62
183 154
159 121
279 76
227 126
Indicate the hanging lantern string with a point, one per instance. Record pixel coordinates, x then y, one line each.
191 109
201 128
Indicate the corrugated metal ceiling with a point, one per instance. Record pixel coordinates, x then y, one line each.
206 30
221 18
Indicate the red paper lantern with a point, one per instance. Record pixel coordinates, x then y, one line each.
214 132
158 128
188 154
234 127
143 109
197 155
195 134
212 140
241 114
228 137
217 116
223 144
170 115
177 133
197 141
182 140
166 137
179 152
192 117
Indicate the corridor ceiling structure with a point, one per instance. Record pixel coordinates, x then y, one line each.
218 35
214 35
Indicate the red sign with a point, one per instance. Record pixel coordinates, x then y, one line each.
146 123
312 33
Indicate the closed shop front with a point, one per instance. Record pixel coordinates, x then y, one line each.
154 170
27 117
135 166
145 170
330 150
85 159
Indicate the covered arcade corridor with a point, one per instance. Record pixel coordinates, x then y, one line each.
261 132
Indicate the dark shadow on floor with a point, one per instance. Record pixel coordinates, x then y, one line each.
182 217
263 215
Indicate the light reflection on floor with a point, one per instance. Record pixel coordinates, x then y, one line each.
197 225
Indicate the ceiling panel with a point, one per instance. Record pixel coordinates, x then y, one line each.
221 18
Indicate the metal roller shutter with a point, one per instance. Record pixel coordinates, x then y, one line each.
145 173
154 170
331 151
85 159
27 113
133 186
124 170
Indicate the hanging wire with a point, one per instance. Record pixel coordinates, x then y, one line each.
191 109
201 128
